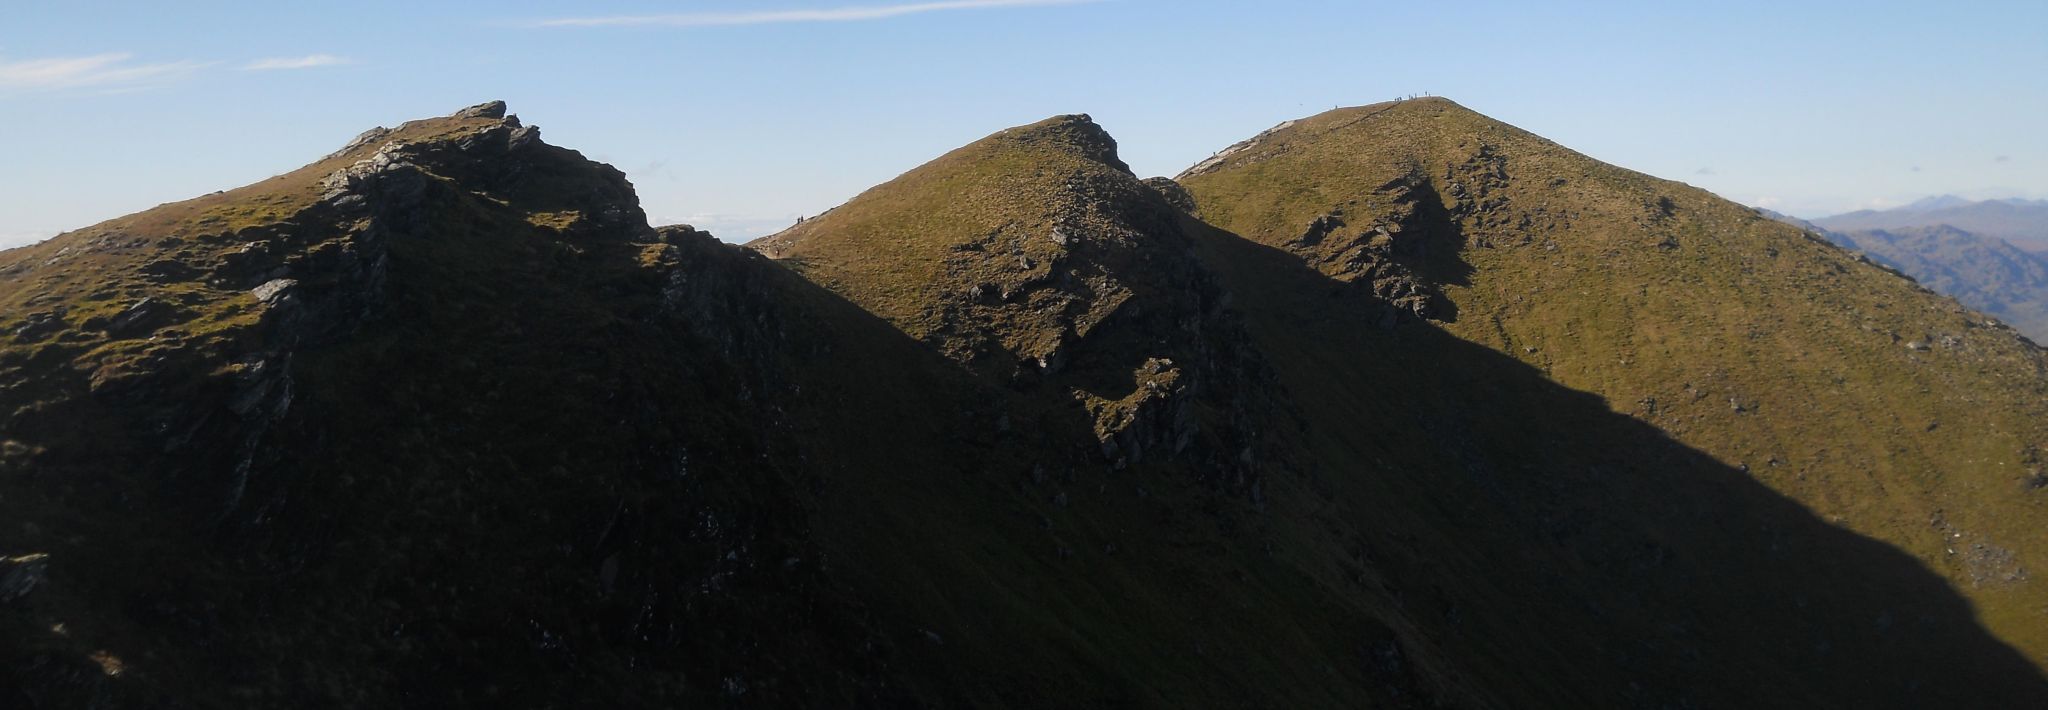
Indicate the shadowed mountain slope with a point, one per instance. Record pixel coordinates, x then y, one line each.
1883 408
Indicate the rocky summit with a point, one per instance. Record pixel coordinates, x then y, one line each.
1393 406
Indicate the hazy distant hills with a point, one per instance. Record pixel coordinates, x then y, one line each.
2022 222
1986 273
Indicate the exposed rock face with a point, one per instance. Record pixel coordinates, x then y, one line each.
1397 242
488 109
1159 414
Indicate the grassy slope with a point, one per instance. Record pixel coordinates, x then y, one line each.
1775 353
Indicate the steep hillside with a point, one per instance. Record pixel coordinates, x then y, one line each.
435 421
1427 413
439 421
1441 489
1984 273
2022 222
1889 412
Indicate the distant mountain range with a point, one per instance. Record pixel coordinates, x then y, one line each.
2022 222
1984 272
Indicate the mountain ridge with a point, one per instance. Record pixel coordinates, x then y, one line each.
2024 223
1687 329
440 420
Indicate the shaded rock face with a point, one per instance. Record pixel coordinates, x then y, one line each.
1173 193
1399 242
322 274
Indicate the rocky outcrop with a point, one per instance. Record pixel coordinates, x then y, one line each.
1390 242
1173 193
1157 417
488 109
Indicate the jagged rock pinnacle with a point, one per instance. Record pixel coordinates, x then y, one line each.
489 109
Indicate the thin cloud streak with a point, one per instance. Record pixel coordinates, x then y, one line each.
306 62
767 17
99 70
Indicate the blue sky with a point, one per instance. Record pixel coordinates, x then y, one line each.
740 116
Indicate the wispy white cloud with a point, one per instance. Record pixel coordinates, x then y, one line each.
765 17
306 62
113 70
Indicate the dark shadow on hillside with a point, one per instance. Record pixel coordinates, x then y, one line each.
1615 558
